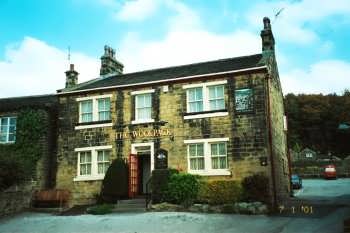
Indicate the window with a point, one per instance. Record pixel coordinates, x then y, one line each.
195 99
86 111
85 163
205 97
196 154
93 162
308 155
94 111
8 129
244 100
218 155
102 161
104 109
143 107
216 97
207 156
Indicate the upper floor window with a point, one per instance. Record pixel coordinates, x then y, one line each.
244 100
86 111
8 129
143 106
104 109
207 156
94 108
216 97
202 98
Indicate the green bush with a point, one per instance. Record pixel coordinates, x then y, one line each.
115 184
256 188
182 189
100 209
220 192
159 183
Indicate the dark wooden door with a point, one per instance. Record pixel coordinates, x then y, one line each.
133 175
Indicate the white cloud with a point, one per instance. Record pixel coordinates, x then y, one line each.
325 77
137 9
293 23
33 67
186 41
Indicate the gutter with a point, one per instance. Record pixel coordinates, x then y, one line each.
270 143
166 80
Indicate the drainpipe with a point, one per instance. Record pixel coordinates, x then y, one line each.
270 143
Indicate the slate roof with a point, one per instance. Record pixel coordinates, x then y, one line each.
35 101
163 74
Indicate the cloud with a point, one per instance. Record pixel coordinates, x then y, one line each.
294 24
33 67
137 10
186 41
328 76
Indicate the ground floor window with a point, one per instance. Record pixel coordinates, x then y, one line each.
93 162
207 156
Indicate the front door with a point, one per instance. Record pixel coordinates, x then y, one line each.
133 176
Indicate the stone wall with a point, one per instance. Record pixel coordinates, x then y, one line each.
16 199
278 135
247 132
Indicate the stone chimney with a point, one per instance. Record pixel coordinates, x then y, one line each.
71 77
268 41
109 64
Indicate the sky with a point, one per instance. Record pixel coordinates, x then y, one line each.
311 37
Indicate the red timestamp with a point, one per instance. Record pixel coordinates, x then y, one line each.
303 209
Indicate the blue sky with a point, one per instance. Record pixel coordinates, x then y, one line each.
311 39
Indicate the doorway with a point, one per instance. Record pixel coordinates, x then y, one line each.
145 164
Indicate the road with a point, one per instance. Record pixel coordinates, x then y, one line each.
328 199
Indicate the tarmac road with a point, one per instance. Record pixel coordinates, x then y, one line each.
331 196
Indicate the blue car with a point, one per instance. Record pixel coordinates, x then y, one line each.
296 182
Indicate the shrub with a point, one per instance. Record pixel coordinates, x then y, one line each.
115 184
256 188
182 189
220 192
159 183
100 209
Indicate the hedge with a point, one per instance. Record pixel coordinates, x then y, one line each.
220 192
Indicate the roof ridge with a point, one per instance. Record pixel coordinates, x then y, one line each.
176 66
29 96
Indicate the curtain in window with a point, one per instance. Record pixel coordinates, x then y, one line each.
104 109
85 163
216 97
102 161
218 155
196 155
195 99
144 107
86 111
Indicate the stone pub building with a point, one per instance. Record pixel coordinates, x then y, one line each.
222 119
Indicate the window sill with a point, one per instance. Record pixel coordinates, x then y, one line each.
198 115
89 178
94 124
213 172
135 122
7 143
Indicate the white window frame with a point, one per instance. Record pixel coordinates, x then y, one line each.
94 169
95 112
206 105
218 155
8 129
208 170
135 94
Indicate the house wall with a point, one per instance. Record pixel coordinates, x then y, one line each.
246 132
278 136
